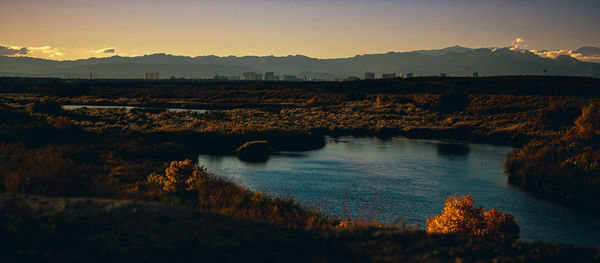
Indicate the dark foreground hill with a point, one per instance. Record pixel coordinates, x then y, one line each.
36 228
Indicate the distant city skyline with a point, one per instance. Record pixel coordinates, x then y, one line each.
77 29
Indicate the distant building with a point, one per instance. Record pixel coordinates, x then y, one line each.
400 75
351 78
443 75
270 76
389 76
234 77
369 75
476 74
221 78
151 75
291 78
409 75
252 76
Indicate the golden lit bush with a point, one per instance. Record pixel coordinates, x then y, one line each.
459 216
179 176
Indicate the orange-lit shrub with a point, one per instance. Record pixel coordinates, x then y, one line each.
180 176
459 216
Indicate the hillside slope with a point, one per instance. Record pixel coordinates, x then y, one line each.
37 228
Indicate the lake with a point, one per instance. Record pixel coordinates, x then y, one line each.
405 178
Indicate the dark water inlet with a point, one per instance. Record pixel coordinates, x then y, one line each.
407 178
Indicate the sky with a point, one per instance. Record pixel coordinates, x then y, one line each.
75 29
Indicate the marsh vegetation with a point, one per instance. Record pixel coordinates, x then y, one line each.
141 153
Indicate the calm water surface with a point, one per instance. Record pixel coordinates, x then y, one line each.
405 178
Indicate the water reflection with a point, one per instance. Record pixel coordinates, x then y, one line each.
215 159
292 154
452 149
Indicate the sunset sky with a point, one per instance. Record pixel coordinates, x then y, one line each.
73 29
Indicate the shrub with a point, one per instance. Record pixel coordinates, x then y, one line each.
55 171
61 124
566 169
254 151
324 99
459 216
557 115
179 176
587 126
215 115
383 100
10 116
46 106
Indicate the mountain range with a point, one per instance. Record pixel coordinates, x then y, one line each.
454 61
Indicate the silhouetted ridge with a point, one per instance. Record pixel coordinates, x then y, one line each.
454 61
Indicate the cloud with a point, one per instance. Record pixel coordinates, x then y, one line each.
11 51
44 51
555 53
47 51
108 50
566 52
517 43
